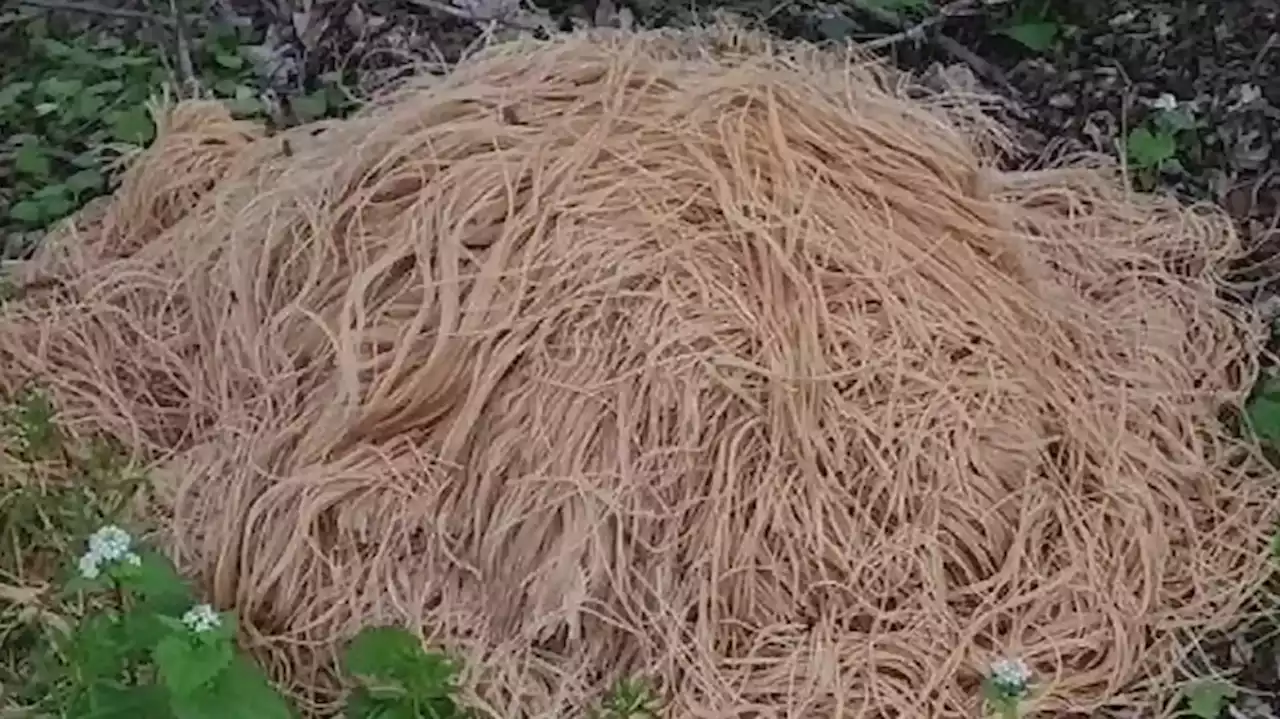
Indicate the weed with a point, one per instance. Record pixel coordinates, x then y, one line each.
146 646
630 699
1207 698
1006 687
1152 147
71 104
1033 26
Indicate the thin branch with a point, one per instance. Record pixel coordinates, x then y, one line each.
185 65
461 14
980 66
90 8
917 31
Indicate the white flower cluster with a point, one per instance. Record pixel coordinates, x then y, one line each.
107 546
201 618
1012 677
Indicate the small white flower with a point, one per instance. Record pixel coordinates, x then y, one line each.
1166 102
201 618
1012 677
110 544
89 566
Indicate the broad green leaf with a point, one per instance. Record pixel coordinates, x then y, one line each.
27 211
133 126
85 181
244 106
225 87
312 106
106 87
54 48
10 93
159 586
391 662
836 26
87 159
1263 417
381 653
56 205
1176 120
1037 36
1150 150
229 60
240 691
32 160
187 666
87 107
145 630
94 649
61 89
1206 699
112 701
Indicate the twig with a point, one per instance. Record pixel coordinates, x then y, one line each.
95 9
980 66
185 65
916 31
461 14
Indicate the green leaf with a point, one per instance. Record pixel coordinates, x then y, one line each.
33 161
1037 36
382 652
363 706
57 204
311 107
391 662
1206 699
54 48
94 649
87 159
186 666
86 181
158 585
87 106
229 60
241 690
60 89
1150 150
106 87
10 93
115 701
1262 414
1176 120
133 126
27 211
836 26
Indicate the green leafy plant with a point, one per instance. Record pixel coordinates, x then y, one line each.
1152 148
70 104
1006 687
61 108
145 647
1206 698
1033 27
1262 412
630 699
397 678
